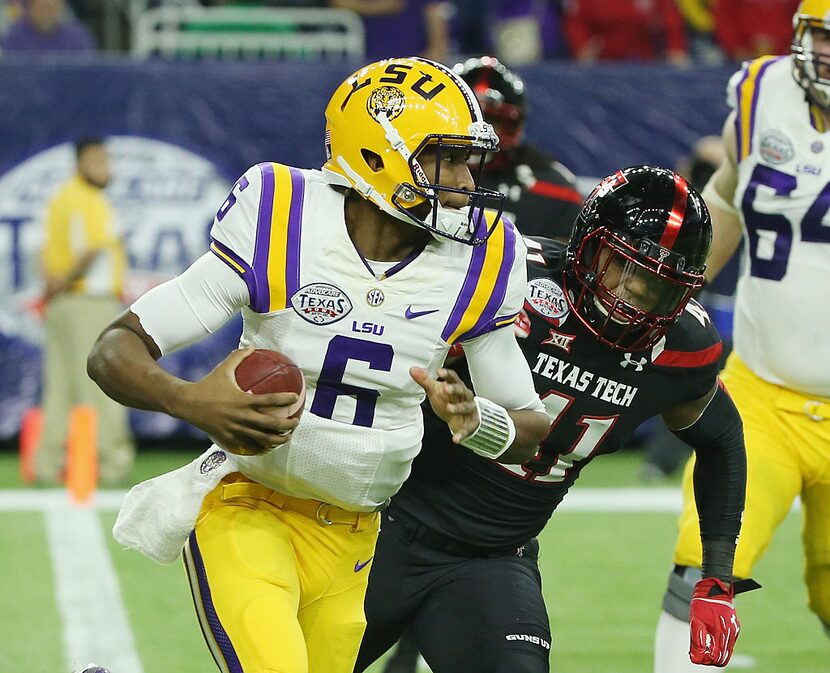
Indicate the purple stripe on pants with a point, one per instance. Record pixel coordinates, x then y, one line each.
216 628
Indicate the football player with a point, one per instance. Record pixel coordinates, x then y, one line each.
542 199
365 274
772 189
613 338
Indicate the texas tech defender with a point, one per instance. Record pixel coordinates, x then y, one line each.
613 338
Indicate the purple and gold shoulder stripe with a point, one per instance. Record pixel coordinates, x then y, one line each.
274 274
748 90
277 248
482 293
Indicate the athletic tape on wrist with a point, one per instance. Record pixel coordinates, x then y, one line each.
495 433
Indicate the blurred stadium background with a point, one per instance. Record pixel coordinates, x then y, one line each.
183 119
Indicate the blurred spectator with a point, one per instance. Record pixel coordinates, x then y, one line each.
472 21
265 3
700 24
46 25
403 27
745 29
641 30
526 31
83 268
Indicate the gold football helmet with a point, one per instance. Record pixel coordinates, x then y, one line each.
811 66
394 109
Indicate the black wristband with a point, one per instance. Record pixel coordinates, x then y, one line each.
718 557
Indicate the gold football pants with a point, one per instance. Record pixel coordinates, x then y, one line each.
278 582
788 454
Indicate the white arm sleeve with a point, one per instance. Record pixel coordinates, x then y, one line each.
192 305
499 371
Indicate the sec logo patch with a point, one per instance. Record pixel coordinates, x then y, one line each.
546 298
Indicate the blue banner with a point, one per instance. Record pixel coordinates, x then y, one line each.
180 133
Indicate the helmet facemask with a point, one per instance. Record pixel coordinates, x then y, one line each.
811 67
629 292
466 224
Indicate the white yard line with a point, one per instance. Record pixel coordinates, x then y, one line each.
578 500
95 622
95 625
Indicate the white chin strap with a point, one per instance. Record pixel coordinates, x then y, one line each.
452 221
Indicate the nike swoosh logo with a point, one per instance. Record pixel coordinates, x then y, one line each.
360 566
410 314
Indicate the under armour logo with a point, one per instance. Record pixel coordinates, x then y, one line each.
629 360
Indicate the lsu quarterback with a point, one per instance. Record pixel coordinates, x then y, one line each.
773 190
365 274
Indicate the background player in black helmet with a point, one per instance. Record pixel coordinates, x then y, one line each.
542 199
613 338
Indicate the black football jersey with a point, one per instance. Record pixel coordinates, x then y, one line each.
596 397
542 199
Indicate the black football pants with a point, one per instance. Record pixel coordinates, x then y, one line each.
468 614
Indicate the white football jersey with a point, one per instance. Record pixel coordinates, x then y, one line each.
782 321
354 335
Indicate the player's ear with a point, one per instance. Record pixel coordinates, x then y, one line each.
373 160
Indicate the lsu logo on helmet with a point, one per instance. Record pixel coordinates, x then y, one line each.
392 110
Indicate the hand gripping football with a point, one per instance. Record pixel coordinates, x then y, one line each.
267 371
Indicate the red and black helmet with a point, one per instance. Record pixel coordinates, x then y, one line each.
501 94
636 255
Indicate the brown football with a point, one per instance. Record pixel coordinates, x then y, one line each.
267 371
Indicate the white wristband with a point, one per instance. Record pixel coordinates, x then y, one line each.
495 433
713 198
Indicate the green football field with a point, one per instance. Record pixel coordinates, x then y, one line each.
70 595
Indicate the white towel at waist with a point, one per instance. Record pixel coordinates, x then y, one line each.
158 515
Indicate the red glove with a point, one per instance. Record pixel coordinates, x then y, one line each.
713 622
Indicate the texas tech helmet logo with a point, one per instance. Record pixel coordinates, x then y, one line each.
608 185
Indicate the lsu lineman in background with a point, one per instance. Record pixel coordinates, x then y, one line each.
773 189
365 274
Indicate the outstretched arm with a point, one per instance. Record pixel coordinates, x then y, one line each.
712 426
514 420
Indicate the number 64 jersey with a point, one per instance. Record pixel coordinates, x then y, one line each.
783 195
353 333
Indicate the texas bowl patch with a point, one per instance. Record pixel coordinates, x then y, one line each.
321 303
546 298
776 147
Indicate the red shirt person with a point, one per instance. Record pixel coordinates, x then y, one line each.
640 30
746 29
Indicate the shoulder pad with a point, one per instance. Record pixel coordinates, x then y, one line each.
692 342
